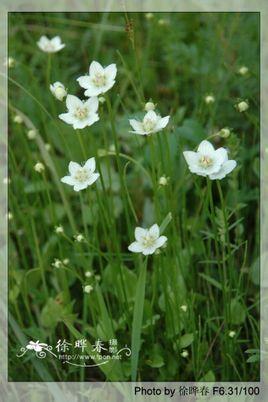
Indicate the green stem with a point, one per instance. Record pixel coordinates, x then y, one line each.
137 320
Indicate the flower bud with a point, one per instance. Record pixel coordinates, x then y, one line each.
88 288
31 134
225 132
184 308
243 70
163 181
58 90
149 106
209 99
242 106
39 167
18 119
79 237
184 353
59 229
232 334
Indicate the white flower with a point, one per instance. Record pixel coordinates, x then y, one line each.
184 353
99 80
149 106
50 45
88 274
58 90
39 167
209 162
79 237
88 288
243 70
152 123
59 229
232 334
184 308
31 134
81 176
18 119
66 261
9 62
36 346
80 113
242 106
209 99
147 240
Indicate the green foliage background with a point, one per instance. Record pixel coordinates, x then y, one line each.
175 60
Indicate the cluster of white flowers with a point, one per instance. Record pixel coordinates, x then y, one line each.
206 161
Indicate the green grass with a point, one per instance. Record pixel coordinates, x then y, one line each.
211 262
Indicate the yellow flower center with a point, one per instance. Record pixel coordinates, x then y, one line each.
99 80
81 175
149 125
205 161
148 240
81 113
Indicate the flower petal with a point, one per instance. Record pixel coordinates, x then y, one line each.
73 167
67 118
160 241
162 123
92 104
90 164
92 90
135 247
205 147
80 186
221 155
95 68
68 180
140 232
226 168
136 125
149 250
154 231
191 158
84 81
151 115
93 178
72 102
110 71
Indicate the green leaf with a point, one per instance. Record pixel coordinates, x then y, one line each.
253 359
237 312
165 222
186 340
212 281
